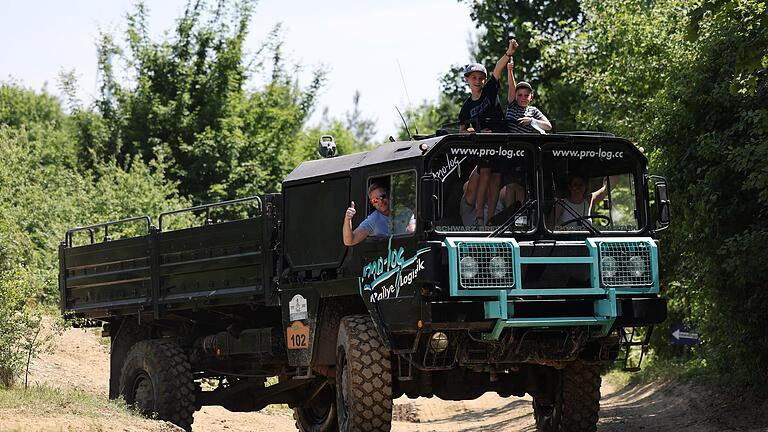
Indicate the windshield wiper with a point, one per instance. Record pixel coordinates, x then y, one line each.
511 220
578 218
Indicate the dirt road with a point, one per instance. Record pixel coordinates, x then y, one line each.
80 361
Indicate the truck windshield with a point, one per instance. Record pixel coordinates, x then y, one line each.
591 188
483 185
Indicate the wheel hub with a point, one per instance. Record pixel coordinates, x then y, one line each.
144 394
319 408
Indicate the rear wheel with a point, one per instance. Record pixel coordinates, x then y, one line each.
156 378
318 414
363 377
576 401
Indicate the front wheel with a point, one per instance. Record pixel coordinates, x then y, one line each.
576 401
156 378
363 377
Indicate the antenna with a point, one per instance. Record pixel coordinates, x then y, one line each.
402 78
407 96
404 123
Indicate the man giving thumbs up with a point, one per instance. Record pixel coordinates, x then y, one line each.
377 223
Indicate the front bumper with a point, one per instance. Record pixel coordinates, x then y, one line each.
617 291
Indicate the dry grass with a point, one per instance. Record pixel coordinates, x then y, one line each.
44 400
45 408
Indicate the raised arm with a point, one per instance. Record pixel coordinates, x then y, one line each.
510 71
350 237
511 81
504 59
600 194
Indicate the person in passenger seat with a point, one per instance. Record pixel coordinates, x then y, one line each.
578 200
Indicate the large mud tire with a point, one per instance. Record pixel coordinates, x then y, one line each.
576 403
363 377
156 379
319 413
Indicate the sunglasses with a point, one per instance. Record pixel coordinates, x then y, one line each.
380 198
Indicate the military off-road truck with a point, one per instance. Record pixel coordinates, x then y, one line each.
262 303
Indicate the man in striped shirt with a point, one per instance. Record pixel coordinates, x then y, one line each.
521 116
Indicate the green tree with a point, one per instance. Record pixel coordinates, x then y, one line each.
20 107
362 128
344 138
19 325
428 117
188 105
43 192
621 60
548 21
688 82
712 138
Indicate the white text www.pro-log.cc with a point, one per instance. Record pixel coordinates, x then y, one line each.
501 151
581 154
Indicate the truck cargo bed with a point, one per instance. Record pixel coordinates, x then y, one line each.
206 266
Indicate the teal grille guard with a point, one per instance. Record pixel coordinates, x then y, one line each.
606 308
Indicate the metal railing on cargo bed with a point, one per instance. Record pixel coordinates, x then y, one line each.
217 263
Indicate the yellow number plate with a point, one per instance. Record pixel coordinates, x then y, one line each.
298 336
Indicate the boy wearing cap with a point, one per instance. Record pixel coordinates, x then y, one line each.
483 103
521 116
484 99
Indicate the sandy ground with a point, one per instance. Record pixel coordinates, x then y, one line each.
80 361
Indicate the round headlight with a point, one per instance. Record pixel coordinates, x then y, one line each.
438 342
637 266
498 267
609 267
468 267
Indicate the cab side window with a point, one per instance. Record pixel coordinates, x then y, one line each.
401 194
403 219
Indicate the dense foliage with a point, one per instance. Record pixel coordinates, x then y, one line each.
428 117
712 143
187 103
44 191
19 324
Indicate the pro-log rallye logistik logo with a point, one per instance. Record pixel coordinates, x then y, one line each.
382 278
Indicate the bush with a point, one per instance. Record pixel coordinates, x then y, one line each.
20 323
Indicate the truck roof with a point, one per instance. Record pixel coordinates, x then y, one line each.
329 167
392 151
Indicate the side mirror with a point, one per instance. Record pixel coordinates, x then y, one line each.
662 202
430 208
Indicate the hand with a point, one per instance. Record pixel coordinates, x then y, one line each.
511 65
525 121
512 46
350 211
